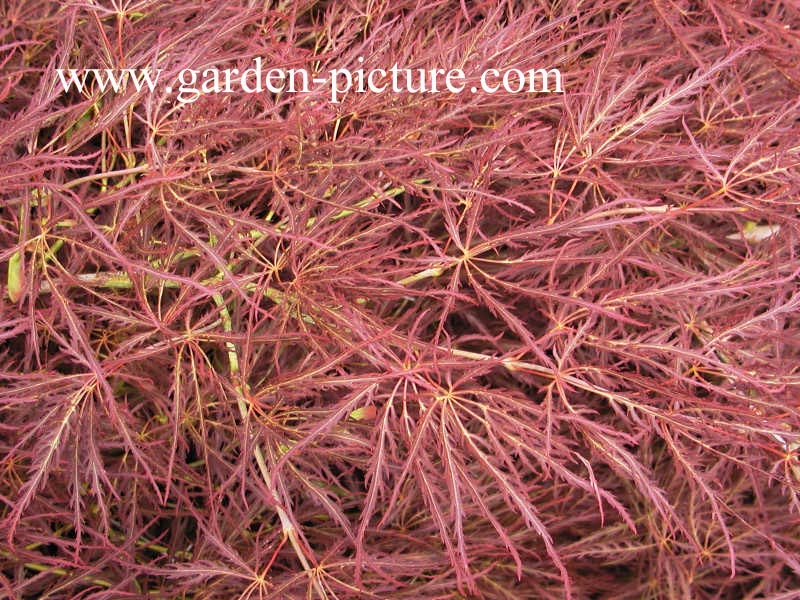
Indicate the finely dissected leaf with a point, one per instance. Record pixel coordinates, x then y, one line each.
404 345
51 432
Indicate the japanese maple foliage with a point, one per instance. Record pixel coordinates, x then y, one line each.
429 345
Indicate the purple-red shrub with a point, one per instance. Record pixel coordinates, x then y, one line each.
402 346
